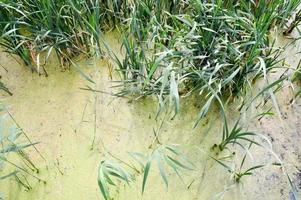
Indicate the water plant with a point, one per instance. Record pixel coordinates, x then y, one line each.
234 136
172 157
5 89
214 48
187 46
31 29
164 156
296 77
10 135
294 24
239 173
107 170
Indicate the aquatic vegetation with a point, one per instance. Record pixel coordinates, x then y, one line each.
169 155
295 192
163 155
217 49
296 77
4 88
239 173
214 48
170 49
294 24
9 136
234 136
31 29
107 170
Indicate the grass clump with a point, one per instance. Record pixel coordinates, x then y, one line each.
240 172
215 48
31 28
234 136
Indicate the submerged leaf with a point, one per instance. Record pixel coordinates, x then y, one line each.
145 174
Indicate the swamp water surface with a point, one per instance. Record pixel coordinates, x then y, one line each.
73 126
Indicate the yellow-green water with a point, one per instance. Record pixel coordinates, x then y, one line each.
56 112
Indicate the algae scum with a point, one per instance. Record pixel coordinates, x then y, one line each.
150 100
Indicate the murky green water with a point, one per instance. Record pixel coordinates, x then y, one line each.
57 113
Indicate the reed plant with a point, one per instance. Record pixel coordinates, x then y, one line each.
69 28
10 136
5 89
235 136
108 170
215 48
166 157
239 172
